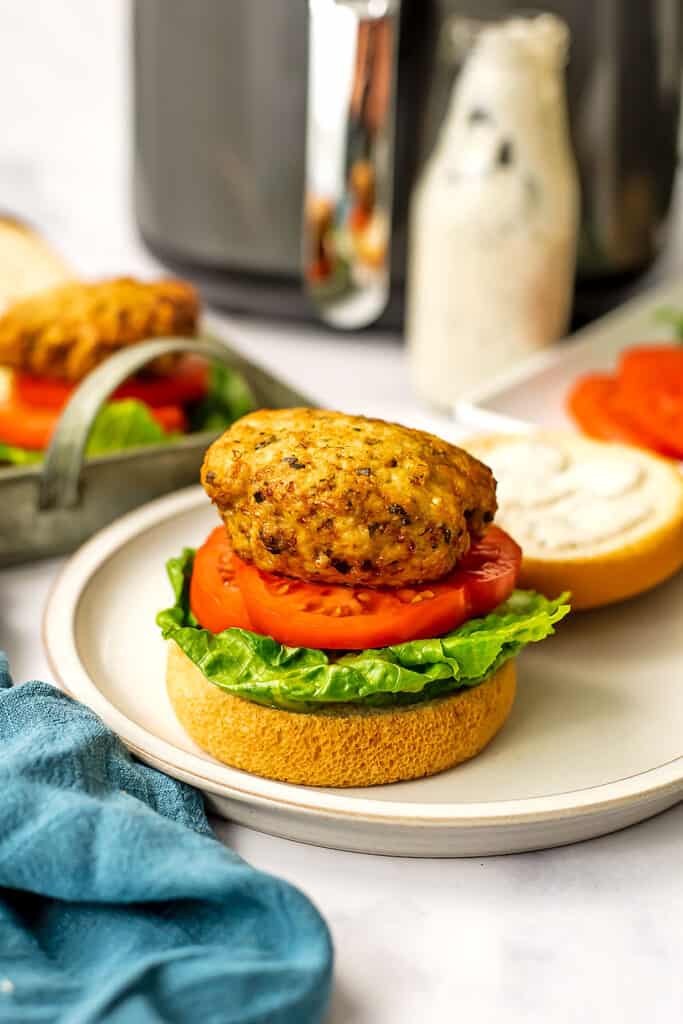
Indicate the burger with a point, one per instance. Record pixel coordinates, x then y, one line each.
51 340
353 620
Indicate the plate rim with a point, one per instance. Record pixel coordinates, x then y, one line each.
59 642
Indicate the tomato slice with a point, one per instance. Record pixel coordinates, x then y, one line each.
660 412
489 570
215 598
41 392
30 426
644 366
603 411
346 618
188 383
352 618
171 418
24 426
651 388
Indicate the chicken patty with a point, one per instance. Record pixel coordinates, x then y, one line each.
65 332
331 498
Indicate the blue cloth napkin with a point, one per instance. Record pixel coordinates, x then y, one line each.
118 905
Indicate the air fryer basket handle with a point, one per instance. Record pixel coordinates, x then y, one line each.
353 48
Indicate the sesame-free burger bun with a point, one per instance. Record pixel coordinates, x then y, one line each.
347 745
601 520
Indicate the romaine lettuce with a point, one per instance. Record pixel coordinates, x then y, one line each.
124 424
18 456
227 399
672 316
301 679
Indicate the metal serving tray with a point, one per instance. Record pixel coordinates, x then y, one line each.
50 508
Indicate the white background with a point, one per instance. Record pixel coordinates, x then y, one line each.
586 933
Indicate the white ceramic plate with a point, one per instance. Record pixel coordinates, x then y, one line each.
593 742
533 394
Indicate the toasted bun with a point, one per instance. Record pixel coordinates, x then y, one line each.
599 571
27 263
346 746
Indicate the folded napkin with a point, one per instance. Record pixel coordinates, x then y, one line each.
117 904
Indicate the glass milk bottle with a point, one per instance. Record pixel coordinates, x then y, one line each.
494 218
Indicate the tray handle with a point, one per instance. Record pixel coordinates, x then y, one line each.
60 477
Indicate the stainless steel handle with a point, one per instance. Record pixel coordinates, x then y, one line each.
350 158
59 480
61 471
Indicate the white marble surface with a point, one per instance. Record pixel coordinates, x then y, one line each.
586 933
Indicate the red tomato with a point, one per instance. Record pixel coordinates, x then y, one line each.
662 413
28 426
171 418
215 597
188 383
24 426
603 411
651 388
41 392
645 365
353 618
489 570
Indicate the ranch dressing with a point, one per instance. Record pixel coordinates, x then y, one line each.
554 501
495 214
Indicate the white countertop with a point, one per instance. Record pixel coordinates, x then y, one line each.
585 933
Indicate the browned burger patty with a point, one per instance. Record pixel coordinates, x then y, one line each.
66 331
332 498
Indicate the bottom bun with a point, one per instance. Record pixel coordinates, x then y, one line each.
345 745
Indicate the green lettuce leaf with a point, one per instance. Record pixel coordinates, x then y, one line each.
302 679
673 317
18 456
124 424
227 399
179 571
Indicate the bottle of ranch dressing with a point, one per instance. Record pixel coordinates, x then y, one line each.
495 214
